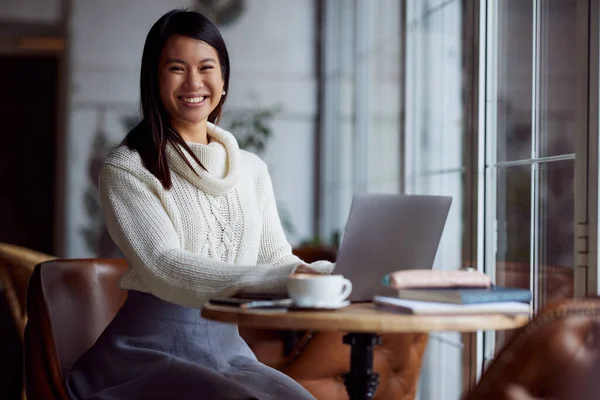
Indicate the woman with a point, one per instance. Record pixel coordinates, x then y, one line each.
196 218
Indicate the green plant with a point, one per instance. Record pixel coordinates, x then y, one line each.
95 235
252 128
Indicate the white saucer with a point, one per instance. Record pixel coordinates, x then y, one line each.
337 306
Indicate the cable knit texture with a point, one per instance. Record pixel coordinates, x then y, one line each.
216 232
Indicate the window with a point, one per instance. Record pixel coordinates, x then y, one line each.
361 114
532 113
492 102
434 157
365 135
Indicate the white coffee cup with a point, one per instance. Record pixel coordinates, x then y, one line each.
318 290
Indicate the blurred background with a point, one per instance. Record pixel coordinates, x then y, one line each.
492 102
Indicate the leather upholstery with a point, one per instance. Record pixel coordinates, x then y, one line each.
16 266
321 359
67 301
323 362
556 356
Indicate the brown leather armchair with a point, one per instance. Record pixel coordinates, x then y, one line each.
16 265
556 356
70 302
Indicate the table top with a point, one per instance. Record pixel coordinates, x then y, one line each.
362 317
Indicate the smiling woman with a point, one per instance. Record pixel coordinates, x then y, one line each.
185 59
196 218
191 85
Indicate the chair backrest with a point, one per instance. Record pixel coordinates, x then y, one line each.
69 304
557 356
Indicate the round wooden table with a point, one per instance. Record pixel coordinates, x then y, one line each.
364 322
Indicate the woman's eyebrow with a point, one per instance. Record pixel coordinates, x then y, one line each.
180 61
175 61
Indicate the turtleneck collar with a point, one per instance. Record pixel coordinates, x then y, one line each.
220 158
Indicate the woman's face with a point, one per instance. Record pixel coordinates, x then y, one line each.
190 80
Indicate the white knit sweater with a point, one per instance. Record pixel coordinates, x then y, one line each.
212 234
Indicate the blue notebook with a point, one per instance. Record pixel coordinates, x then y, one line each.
493 294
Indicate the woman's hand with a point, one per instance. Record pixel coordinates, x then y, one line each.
305 269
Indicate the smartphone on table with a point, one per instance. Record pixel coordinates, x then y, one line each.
253 301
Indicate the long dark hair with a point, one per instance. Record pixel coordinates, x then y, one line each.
150 137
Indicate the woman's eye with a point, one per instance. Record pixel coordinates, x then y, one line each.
175 69
206 67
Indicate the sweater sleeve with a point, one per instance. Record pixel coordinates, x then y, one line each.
139 224
275 248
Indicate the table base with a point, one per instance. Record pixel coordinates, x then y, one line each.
361 382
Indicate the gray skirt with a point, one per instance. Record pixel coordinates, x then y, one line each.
157 350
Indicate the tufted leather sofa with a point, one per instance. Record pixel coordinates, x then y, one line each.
317 360
556 356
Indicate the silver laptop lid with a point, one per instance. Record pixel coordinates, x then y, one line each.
386 233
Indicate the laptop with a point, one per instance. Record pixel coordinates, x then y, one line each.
387 233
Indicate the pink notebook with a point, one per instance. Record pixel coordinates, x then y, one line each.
412 279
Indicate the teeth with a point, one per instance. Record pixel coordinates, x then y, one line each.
192 99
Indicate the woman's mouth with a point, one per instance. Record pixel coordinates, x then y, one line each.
193 101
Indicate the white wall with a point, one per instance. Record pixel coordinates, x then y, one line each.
271 58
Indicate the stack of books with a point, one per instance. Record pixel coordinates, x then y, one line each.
458 300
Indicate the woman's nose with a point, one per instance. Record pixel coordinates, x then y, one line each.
194 81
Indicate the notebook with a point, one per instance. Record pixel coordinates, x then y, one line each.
492 294
436 308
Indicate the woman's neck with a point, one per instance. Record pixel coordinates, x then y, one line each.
192 132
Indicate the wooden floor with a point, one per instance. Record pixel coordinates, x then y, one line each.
11 364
